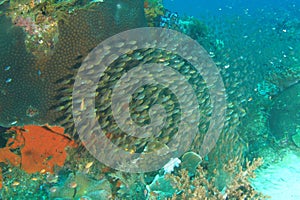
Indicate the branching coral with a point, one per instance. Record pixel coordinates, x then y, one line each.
203 186
240 186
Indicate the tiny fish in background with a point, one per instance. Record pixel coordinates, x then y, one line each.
8 80
7 68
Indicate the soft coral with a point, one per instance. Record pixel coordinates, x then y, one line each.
27 23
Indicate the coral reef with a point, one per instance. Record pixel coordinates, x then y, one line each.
284 115
187 183
230 140
203 185
267 89
128 186
81 186
20 185
158 16
42 44
39 73
154 10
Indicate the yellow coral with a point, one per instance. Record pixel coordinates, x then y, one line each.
153 10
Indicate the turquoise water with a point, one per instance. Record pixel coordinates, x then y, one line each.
193 99
256 34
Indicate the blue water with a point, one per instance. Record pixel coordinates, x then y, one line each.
200 8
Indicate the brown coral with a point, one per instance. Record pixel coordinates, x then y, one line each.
203 186
38 80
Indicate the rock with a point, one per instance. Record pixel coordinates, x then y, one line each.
296 139
285 113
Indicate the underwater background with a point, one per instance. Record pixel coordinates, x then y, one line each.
247 129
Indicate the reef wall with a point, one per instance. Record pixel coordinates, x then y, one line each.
31 80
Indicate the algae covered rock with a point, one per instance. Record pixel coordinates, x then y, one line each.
285 114
80 185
